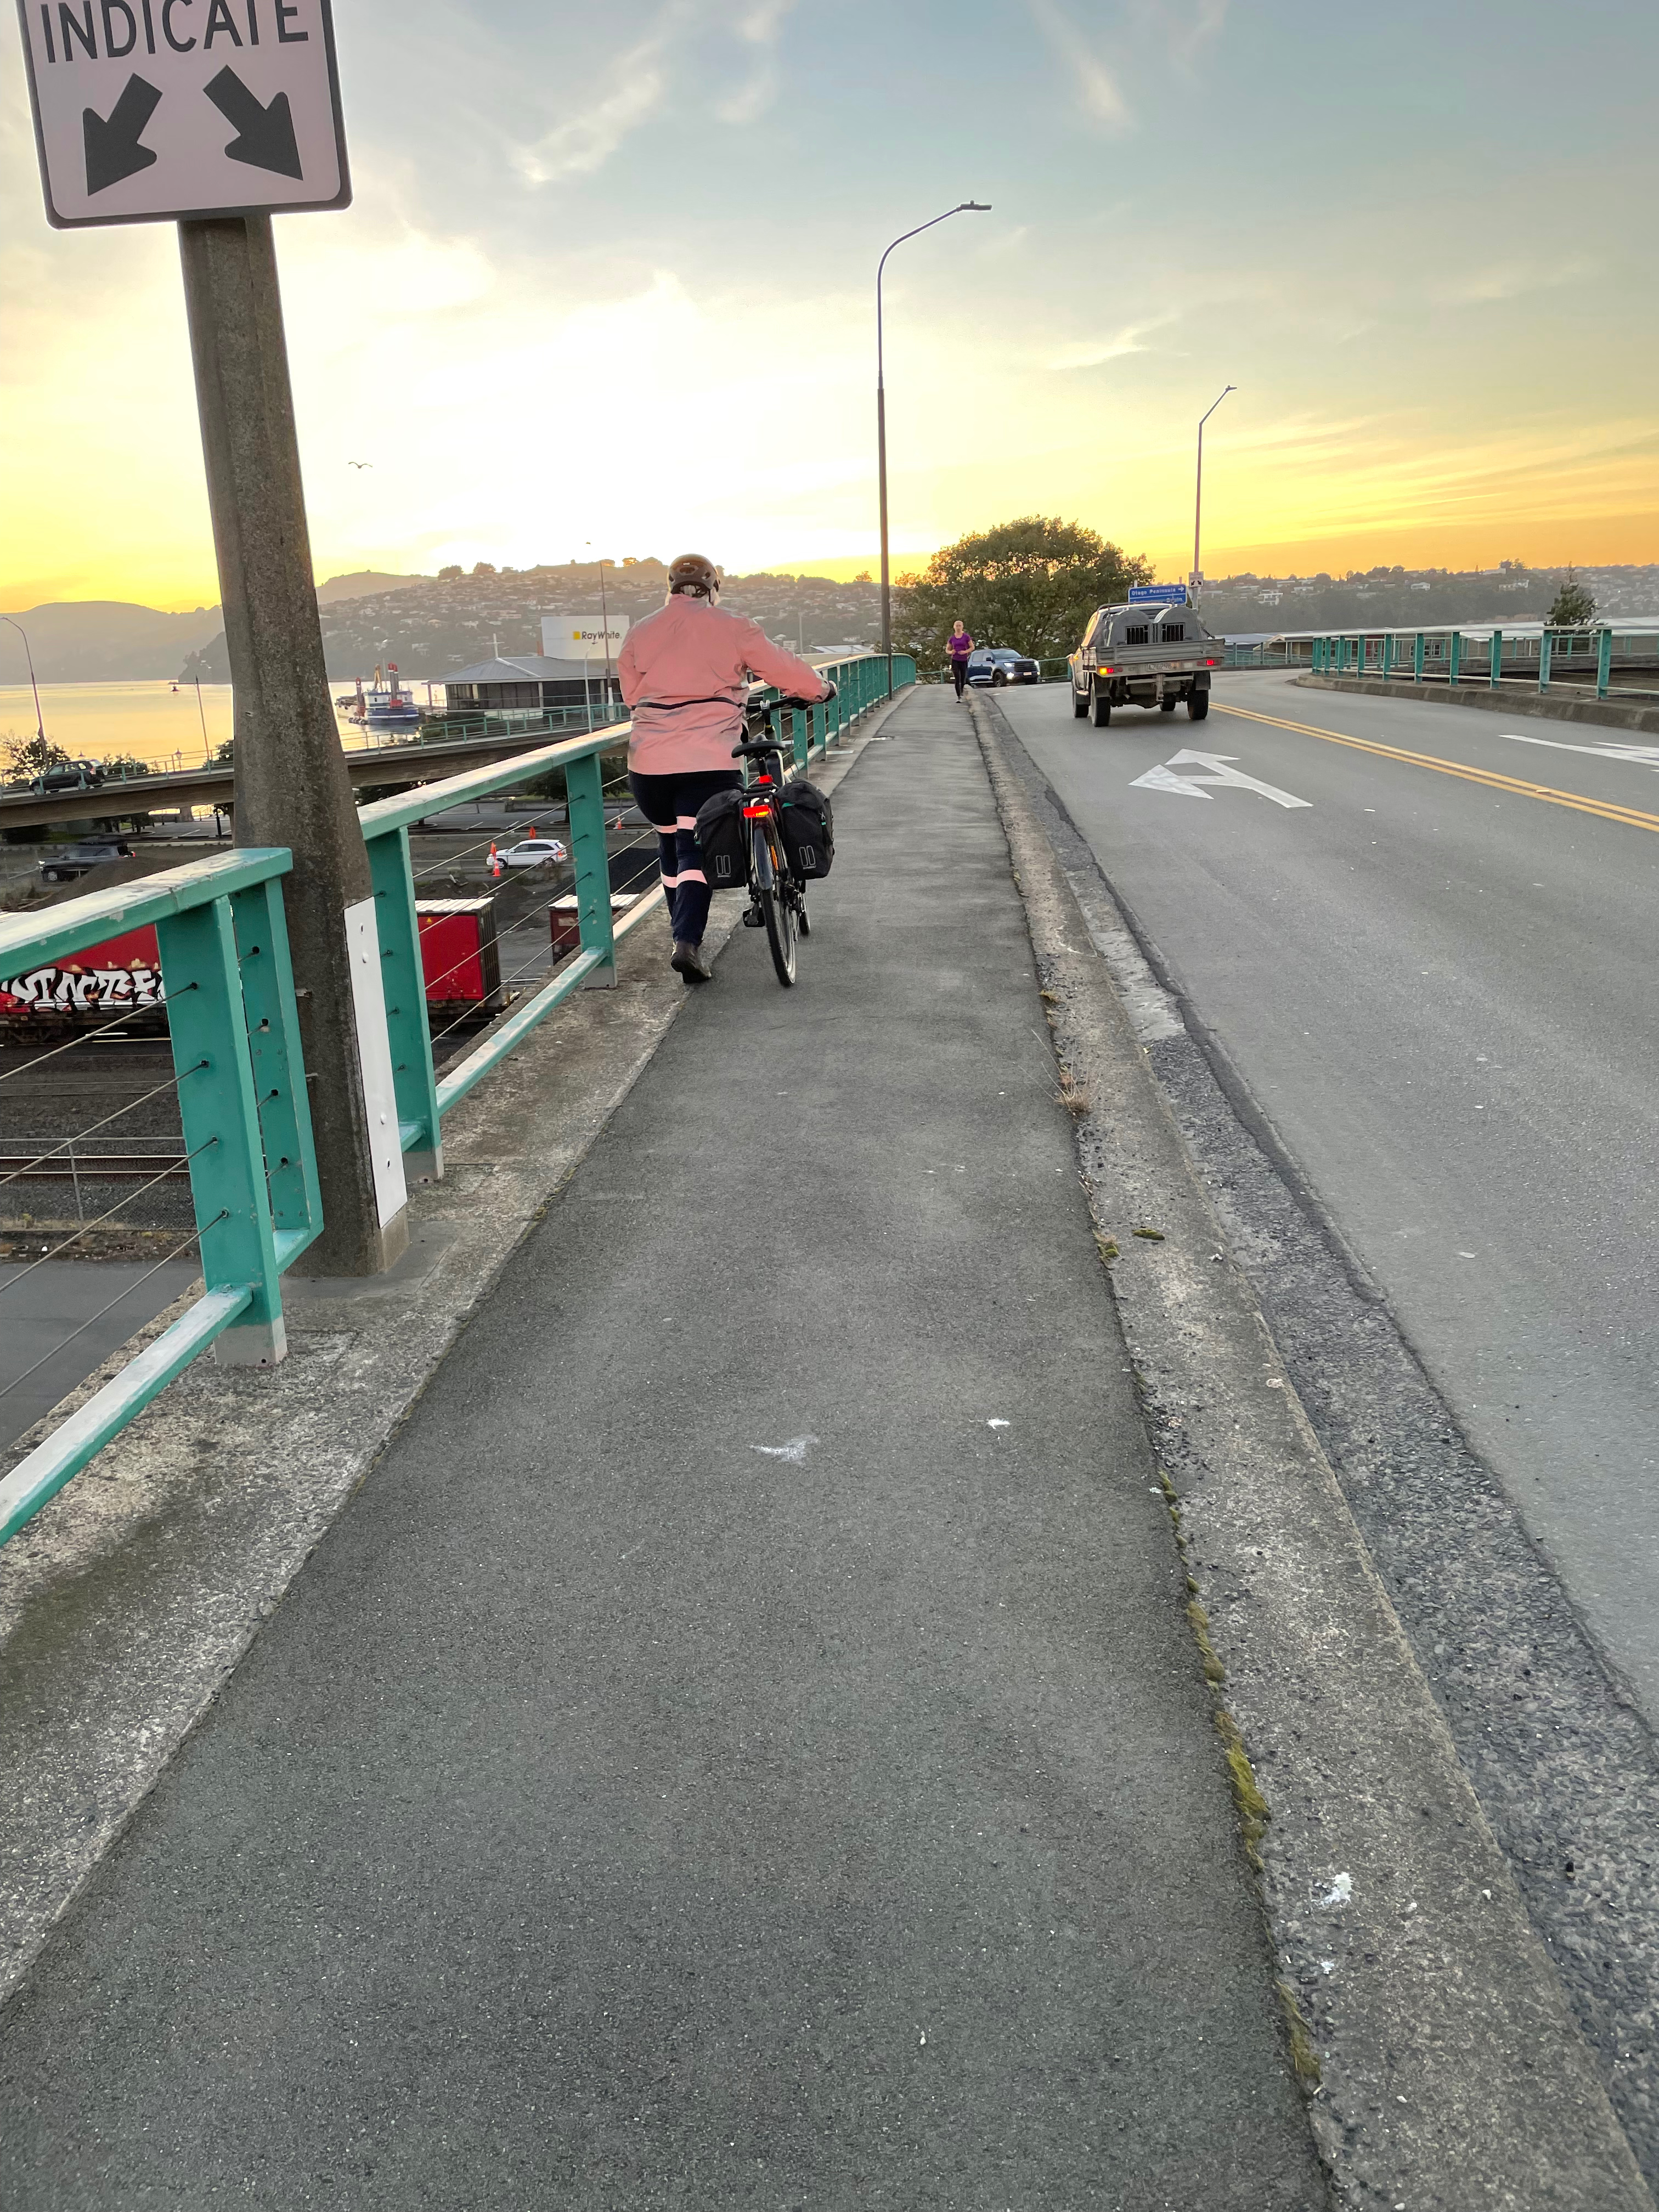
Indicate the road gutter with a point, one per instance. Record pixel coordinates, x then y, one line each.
128 1600
1452 2071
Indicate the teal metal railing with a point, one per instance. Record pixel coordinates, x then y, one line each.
1605 662
228 985
229 996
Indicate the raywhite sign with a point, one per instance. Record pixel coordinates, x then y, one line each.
146 111
576 637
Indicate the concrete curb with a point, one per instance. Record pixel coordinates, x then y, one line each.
1559 706
1453 2073
128 1600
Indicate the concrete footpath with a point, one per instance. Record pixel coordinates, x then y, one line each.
742 1745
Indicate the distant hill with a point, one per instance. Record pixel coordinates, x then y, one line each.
437 624
99 641
1418 599
106 641
363 583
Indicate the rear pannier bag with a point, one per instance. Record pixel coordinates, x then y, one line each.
809 830
723 841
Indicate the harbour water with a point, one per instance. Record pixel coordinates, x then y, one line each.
162 724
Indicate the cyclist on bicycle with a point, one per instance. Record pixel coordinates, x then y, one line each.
684 673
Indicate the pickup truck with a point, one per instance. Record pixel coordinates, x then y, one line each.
1143 655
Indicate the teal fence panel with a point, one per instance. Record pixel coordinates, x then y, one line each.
237 1058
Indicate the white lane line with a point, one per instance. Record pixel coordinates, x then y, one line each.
1220 771
1641 755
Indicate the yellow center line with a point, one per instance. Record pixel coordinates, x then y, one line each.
1631 816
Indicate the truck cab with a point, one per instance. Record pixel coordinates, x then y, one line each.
1144 653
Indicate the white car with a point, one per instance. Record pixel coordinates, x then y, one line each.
533 852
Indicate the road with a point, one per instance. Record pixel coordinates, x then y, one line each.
1440 992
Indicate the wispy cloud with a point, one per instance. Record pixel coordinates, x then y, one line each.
1093 353
635 88
1179 27
1094 83
757 28
1510 280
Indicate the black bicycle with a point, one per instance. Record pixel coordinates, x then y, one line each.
776 894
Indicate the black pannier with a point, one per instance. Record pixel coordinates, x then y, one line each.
809 830
722 840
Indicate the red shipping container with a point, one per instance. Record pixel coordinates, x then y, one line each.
123 971
459 957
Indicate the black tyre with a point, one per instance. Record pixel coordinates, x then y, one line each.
1080 703
1167 703
1198 705
780 932
1100 708
50 876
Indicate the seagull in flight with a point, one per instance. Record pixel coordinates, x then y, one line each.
360 465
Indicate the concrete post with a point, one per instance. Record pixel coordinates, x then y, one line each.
291 784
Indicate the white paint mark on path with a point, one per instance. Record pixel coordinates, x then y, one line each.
1220 770
1640 755
996 1425
794 1451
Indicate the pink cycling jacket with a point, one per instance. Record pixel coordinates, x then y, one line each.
684 671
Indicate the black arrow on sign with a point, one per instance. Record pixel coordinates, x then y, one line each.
267 139
113 147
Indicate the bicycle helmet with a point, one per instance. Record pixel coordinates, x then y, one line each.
697 577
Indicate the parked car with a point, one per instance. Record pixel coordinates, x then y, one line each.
1144 655
76 861
994 664
533 853
69 776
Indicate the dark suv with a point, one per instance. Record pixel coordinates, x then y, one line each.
81 859
1000 663
68 775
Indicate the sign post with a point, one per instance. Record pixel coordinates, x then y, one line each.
216 113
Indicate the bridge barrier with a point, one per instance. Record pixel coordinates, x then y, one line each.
1608 661
222 940
233 1020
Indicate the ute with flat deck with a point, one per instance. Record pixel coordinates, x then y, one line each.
1144 654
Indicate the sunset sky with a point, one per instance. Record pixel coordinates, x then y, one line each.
608 281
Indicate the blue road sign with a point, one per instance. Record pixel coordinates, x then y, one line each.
1165 595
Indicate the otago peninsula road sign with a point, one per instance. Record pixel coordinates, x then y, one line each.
149 110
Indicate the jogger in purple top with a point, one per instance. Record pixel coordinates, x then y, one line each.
959 645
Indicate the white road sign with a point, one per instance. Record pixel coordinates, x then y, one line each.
149 110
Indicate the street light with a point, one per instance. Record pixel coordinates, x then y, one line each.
39 726
1198 498
966 207
604 624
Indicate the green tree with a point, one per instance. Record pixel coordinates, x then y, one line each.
1573 606
28 757
1032 583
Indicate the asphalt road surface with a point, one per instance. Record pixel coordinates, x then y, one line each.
742 1746
1440 990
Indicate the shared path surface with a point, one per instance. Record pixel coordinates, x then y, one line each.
742 1745
1435 975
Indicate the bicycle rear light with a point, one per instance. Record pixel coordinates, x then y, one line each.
752 813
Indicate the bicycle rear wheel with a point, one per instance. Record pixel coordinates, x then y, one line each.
781 931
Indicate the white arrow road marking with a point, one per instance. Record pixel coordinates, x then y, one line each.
794 1451
1220 772
1165 779
1643 755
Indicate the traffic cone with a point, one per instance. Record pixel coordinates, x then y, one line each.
493 865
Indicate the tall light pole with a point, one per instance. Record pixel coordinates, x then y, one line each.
39 726
966 207
604 624
1198 496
